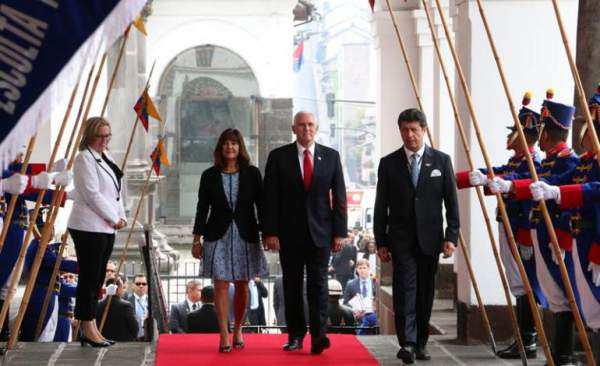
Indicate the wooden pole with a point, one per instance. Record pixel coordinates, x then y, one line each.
13 198
115 71
461 239
80 111
542 204
129 235
137 118
49 225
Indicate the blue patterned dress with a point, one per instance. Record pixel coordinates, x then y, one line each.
231 258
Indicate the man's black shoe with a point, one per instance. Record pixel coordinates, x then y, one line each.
407 354
293 344
512 351
423 354
319 345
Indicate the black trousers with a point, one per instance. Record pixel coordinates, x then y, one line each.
413 293
294 256
93 252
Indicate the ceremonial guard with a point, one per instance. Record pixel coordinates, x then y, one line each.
577 199
44 279
557 168
27 189
66 309
518 212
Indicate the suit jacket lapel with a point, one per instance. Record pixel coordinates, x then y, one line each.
426 166
403 166
316 165
296 164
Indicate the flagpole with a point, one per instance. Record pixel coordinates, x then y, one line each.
542 203
116 70
49 225
130 143
129 234
462 243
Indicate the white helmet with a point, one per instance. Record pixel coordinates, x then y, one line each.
335 287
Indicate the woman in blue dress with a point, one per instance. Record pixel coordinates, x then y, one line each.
226 230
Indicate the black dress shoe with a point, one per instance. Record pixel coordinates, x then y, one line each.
407 354
423 354
319 345
512 351
293 344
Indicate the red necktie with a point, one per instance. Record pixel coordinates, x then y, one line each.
308 170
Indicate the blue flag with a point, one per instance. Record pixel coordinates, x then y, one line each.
40 41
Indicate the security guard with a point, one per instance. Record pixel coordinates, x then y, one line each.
557 168
518 212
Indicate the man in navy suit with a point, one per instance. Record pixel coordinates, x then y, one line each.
305 218
413 184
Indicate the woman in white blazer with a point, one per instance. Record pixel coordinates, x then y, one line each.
97 214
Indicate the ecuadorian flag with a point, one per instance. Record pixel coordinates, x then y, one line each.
144 107
159 156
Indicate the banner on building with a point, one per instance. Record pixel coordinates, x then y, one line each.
44 46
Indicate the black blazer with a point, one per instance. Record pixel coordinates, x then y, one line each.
405 215
178 317
247 212
203 320
290 211
121 324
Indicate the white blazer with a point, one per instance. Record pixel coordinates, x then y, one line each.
97 199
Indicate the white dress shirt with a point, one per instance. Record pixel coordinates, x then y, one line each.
97 200
141 311
410 153
311 154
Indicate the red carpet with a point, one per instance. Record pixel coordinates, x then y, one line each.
261 349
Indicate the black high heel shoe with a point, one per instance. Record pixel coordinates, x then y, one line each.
109 341
238 345
224 349
83 340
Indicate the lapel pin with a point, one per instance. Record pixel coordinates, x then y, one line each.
318 158
427 164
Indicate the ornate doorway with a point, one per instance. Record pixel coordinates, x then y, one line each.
203 91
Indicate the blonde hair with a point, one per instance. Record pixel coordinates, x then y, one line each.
363 262
91 127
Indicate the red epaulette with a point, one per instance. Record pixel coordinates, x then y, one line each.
564 153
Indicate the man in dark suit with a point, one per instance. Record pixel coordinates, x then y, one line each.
179 312
120 325
344 263
305 218
204 320
413 183
256 307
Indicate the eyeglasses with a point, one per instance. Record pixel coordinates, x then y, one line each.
104 136
141 284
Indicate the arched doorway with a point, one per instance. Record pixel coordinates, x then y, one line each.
203 91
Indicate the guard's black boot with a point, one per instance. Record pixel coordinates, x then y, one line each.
562 343
596 345
528 334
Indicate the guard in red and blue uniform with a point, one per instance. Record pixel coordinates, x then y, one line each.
66 308
518 213
38 294
558 167
577 199
18 225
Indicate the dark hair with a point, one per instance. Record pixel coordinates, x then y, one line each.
412 115
138 275
231 134
114 281
532 137
207 294
556 134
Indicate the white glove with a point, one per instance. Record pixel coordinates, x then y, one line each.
42 180
526 252
543 191
60 165
63 178
477 178
595 269
562 255
111 290
499 185
15 184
